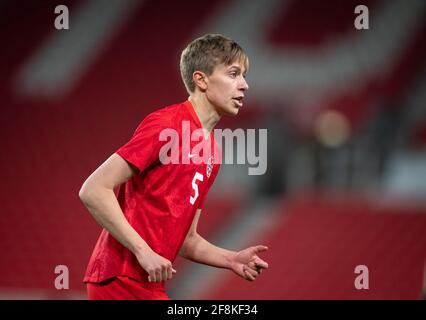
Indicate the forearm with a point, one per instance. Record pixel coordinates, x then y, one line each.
197 249
104 207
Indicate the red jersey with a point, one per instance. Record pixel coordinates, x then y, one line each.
160 202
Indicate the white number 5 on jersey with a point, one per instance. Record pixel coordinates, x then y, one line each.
197 176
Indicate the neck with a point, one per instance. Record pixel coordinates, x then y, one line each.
205 111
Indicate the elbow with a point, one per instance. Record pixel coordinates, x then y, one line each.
82 194
189 245
86 194
91 193
191 235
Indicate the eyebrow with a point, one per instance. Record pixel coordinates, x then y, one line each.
237 69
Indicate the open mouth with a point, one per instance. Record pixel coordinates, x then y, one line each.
239 101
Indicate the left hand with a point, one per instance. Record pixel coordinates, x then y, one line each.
247 264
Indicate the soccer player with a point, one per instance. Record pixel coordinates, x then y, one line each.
155 214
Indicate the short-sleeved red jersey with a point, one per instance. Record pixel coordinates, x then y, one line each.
160 202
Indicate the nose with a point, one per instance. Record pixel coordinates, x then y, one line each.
243 85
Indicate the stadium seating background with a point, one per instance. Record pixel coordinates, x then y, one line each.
321 227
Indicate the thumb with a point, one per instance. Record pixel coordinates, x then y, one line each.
173 270
260 248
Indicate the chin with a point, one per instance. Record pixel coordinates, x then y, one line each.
228 110
232 111
235 111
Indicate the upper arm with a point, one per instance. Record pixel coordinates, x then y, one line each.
193 228
190 235
112 173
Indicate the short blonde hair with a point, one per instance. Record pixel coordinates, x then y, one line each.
205 53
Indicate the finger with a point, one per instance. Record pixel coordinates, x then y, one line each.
248 275
163 274
252 265
152 277
252 272
259 263
260 248
158 275
173 270
169 273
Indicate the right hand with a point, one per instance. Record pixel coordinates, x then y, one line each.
158 268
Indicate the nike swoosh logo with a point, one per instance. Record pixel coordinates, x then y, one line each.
190 155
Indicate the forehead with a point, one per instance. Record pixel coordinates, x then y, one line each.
234 65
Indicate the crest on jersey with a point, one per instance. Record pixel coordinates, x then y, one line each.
209 167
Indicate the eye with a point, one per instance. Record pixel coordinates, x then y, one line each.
233 74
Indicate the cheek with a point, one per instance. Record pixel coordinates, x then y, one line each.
225 89
219 98
221 91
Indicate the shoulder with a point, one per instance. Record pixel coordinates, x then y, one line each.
164 117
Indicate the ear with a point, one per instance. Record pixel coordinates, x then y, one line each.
200 80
